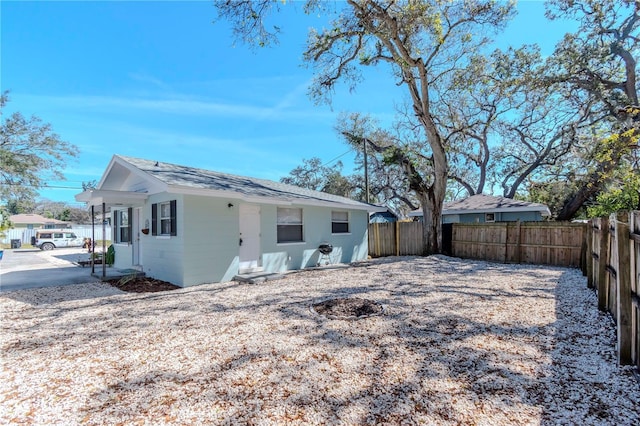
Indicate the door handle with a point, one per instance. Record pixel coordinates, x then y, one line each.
240 241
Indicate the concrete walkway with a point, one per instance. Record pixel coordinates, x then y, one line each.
32 268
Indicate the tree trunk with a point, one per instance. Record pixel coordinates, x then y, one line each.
438 188
573 203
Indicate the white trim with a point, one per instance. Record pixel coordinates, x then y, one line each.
348 222
160 218
285 201
131 168
111 198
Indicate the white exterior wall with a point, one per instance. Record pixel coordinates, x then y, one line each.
211 240
162 257
316 230
206 249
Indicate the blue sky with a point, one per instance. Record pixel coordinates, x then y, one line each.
159 80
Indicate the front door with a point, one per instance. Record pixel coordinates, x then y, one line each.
249 239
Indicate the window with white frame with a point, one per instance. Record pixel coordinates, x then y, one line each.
289 225
163 218
489 217
122 222
339 222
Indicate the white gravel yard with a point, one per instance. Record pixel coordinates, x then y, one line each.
460 342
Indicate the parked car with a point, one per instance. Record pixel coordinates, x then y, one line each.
51 238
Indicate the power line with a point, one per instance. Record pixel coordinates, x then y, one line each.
338 157
43 187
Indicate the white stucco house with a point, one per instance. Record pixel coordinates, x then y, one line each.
191 226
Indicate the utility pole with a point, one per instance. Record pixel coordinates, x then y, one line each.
366 171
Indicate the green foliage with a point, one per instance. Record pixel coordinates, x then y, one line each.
552 194
110 257
20 205
30 154
318 177
5 223
623 194
92 184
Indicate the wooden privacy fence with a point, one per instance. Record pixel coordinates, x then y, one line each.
395 239
613 270
547 243
544 243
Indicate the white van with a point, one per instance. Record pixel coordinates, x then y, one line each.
48 239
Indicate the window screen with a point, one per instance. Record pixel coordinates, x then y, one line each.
289 225
339 222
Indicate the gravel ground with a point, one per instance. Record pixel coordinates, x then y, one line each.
459 342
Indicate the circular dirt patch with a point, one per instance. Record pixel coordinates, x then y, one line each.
348 308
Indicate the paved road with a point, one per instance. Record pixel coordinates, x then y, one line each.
31 268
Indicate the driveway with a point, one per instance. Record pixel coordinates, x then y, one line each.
32 268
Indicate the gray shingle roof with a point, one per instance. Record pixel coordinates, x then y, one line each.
487 204
482 202
191 177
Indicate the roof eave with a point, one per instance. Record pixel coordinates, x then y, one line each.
98 197
281 201
540 209
544 211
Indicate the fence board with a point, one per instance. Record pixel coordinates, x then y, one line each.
547 243
550 243
392 239
612 268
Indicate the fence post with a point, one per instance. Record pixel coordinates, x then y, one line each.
634 230
589 255
397 238
583 254
623 274
602 264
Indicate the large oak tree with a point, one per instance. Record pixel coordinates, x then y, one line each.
596 68
422 42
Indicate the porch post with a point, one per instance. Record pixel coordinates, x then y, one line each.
104 241
93 239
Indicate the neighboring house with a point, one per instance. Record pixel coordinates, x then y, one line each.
191 226
35 221
486 208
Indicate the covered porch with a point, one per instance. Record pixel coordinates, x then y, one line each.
102 202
